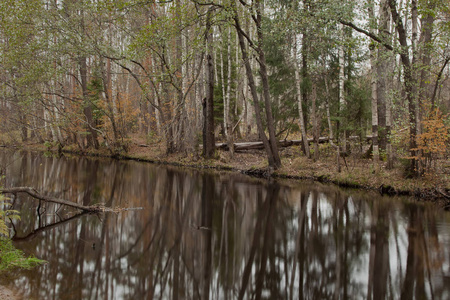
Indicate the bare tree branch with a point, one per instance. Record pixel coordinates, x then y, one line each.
33 193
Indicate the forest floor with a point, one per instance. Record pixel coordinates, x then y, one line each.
356 172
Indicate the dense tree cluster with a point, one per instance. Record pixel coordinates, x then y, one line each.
90 73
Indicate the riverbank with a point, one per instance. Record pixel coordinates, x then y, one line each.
355 171
7 294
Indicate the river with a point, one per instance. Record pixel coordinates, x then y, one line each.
218 235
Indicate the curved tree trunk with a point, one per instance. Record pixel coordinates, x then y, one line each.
265 84
252 85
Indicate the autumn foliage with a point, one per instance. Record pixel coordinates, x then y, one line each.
433 142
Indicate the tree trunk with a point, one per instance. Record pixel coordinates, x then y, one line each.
229 125
299 101
382 76
87 110
224 94
252 85
305 80
208 141
179 114
314 122
374 85
425 74
330 128
408 82
265 84
107 84
342 102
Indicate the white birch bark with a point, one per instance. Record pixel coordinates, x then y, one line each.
299 100
342 102
374 86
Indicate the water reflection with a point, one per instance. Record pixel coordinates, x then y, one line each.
220 236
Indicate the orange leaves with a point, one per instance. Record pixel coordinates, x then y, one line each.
434 139
433 142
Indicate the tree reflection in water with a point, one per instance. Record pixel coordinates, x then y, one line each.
220 236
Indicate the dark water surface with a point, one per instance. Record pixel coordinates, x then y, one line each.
219 236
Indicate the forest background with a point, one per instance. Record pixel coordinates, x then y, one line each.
167 80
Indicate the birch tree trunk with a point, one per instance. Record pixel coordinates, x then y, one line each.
374 88
299 101
382 76
387 78
342 102
229 125
314 122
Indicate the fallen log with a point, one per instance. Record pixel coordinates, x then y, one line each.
259 145
33 193
283 143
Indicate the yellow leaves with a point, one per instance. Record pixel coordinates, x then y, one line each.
6 215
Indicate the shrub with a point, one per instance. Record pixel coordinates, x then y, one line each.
432 143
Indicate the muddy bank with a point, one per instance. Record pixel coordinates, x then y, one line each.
8 294
356 172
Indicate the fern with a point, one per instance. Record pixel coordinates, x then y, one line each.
6 215
11 258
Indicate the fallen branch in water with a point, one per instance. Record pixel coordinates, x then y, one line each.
33 193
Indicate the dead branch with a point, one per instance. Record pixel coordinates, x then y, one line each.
33 193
